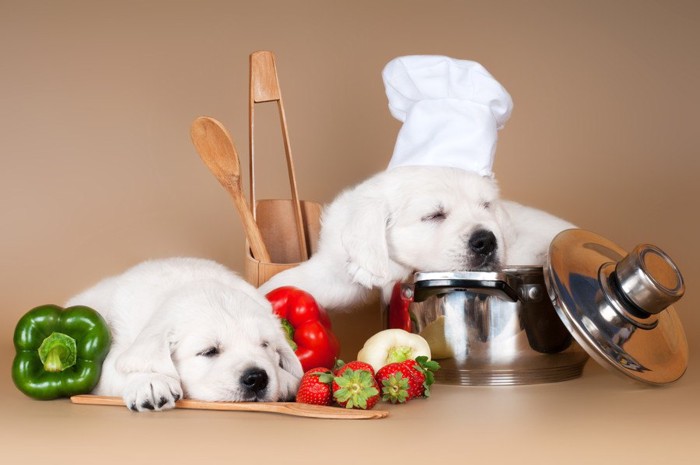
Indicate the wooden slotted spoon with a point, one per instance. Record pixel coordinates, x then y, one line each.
216 149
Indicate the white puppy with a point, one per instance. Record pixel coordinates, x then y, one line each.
186 327
417 218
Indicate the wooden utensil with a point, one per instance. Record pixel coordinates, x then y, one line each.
216 149
284 408
264 87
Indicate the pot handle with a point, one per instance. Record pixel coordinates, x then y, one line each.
504 288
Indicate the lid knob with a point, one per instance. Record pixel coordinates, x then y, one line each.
649 278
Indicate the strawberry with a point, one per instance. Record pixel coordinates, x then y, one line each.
394 379
341 366
421 375
355 389
403 381
315 387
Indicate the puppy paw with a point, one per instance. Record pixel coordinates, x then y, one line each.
363 277
151 392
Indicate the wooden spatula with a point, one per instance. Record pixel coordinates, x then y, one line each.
284 408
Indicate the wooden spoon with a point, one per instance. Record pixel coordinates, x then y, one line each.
216 149
284 408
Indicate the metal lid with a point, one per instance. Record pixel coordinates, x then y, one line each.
618 306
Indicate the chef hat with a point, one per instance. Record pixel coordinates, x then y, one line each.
451 110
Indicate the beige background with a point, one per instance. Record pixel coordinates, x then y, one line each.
98 173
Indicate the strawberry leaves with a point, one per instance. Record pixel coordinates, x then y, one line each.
428 369
355 389
395 388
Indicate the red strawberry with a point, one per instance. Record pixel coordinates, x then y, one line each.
421 376
394 382
341 366
355 389
315 387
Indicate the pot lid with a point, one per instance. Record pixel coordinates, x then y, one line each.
618 306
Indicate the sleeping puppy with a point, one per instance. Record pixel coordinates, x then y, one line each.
186 327
417 218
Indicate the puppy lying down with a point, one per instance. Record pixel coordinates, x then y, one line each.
186 327
417 218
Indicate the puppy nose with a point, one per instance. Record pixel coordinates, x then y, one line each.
482 242
254 379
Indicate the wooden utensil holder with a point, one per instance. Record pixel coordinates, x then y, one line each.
275 220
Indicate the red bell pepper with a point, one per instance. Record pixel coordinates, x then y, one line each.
399 314
307 325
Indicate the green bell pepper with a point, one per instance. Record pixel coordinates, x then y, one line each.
59 352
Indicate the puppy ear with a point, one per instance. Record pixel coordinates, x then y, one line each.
364 238
150 352
290 372
289 361
508 231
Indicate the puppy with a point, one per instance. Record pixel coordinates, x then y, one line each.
186 327
417 218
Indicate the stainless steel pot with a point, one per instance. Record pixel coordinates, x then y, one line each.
526 325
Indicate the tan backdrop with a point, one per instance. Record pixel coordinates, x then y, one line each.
96 99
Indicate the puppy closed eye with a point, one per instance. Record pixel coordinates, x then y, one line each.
486 205
209 352
436 216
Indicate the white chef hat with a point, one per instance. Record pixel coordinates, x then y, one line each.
451 110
